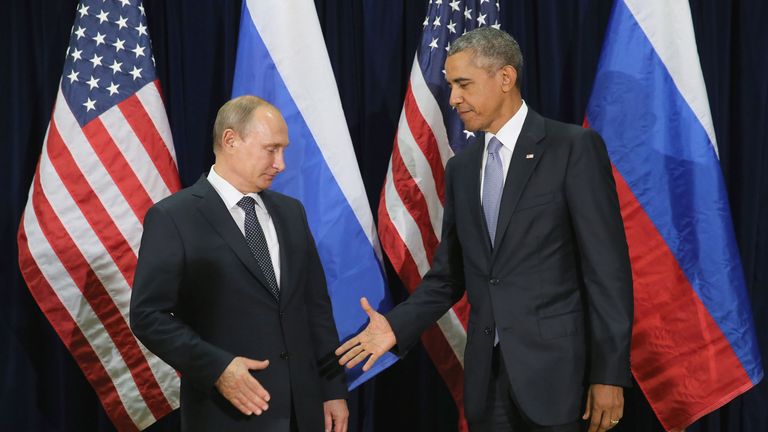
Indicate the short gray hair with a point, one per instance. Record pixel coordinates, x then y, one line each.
493 48
235 115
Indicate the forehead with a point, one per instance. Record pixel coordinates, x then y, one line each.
461 64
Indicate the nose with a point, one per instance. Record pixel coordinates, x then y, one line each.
279 163
455 97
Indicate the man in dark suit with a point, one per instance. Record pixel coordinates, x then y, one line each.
532 232
229 290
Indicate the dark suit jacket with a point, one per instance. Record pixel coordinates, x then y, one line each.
199 299
557 284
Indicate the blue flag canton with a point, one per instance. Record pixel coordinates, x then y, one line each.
108 58
445 21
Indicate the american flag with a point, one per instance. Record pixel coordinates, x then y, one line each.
411 204
106 158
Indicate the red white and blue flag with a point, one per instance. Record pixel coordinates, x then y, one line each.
694 346
411 204
107 157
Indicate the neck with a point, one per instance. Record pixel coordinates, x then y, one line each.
507 112
231 176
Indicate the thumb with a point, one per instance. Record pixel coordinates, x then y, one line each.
367 307
256 364
588 408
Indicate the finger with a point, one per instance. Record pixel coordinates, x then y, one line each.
255 364
328 420
371 312
256 389
588 407
347 346
350 354
594 422
370 362
241 407
252 399
357 359
606 423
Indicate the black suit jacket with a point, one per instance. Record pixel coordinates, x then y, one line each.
557 284
200 299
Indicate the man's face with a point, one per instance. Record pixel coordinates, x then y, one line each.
477 95
258 154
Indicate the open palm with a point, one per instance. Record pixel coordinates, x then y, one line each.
376 339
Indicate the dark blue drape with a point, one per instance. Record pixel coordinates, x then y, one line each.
371 44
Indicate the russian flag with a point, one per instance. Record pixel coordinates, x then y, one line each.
282 58
694 346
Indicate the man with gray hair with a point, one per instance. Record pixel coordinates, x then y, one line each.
229 290
533 234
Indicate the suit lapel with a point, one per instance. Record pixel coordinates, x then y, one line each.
215 211
476 170
521 167
279 218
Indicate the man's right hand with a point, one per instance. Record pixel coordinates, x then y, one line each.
241 389
374 341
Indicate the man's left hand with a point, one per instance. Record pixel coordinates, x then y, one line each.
336 415
605 407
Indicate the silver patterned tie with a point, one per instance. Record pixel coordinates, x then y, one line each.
493 185
254 236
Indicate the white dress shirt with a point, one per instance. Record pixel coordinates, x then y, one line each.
230 195
508 135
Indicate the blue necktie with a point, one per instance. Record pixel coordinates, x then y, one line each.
493 185
254 236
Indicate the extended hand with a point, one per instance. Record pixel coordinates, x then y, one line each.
241 389
374 341
336 415
605 407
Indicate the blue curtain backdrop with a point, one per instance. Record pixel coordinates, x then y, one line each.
371 44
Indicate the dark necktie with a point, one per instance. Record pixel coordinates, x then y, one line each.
493 184
254 236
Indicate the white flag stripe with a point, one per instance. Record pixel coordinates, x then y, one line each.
70 215
166 376
421 172
454 333
317 94
660 21
85 239
94 172
150 98
135 154
81 312
405 225
430 110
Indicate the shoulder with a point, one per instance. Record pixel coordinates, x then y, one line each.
183 199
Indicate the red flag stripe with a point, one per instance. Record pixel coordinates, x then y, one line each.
96 175
94 292
120 172
152 100
426 141
669 308
430 111
58 157
126 142
58 306
145 131
414 202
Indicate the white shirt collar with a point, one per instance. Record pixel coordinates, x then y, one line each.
228 193
510 132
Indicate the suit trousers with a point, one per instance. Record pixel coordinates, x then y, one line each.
501 411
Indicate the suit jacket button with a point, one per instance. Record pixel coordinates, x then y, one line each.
284 355
494 281
487 331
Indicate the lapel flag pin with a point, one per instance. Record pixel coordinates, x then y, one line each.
529 156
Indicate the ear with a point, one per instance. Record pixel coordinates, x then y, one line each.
508 78
228 141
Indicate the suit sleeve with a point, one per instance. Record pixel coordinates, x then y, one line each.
322 325
156 290
604 259
441 287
